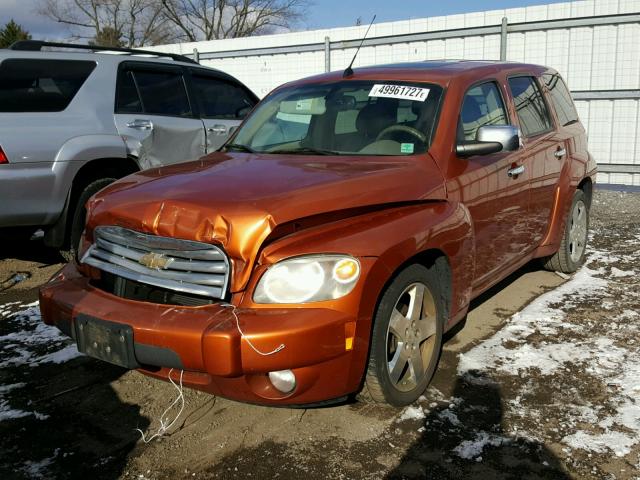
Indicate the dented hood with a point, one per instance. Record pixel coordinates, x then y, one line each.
237 199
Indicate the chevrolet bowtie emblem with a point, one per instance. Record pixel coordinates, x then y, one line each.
155 260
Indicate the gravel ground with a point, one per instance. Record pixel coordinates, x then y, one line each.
543 381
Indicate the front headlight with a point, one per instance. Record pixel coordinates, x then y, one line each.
311 278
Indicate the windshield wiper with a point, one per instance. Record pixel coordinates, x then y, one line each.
238 147
305 151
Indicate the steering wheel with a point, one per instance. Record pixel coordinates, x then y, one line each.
403 128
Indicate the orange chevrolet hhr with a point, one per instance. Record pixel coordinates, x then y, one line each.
326 248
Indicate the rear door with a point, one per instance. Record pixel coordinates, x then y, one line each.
222 104
542 153
155 115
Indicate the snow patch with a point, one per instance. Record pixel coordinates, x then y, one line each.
541 339
470 449
412 413
34 342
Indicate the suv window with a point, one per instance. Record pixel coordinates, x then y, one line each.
220 98
482 105
128 100
532 111
41 85
162 93
561 99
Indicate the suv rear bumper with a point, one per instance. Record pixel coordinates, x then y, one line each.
206 343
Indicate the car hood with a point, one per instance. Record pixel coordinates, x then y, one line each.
237 199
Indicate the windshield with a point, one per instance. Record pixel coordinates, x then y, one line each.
343 118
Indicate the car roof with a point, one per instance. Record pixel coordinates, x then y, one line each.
441 72
102 56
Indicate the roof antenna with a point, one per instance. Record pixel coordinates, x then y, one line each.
349 71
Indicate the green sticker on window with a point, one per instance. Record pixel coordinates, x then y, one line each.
406 147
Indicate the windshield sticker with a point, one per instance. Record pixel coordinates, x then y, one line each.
402 92
406 147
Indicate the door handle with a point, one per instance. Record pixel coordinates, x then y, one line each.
140 124
561 152
218 130
515 171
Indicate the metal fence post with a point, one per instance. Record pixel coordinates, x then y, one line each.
196 55
503 39
327 54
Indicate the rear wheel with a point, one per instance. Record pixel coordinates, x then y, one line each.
406 338
573 246
79 217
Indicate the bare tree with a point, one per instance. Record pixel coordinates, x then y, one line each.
214 19
119 22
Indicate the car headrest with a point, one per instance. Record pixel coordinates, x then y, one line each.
375 117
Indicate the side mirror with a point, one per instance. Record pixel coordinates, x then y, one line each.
491 139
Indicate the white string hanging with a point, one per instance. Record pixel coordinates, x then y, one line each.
164 426
246 339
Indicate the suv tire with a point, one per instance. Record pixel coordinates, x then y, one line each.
79 217
406 340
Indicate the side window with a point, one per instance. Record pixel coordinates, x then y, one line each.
561 98
163 93
128 100
41 85
482 105
222 99
532 111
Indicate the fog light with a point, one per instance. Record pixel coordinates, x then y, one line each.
283 380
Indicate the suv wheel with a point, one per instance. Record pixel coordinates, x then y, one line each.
79 217
573 246
406 339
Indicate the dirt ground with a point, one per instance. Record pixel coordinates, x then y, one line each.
542 381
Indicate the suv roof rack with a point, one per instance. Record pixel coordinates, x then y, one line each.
36 46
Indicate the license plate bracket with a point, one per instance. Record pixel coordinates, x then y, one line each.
108 341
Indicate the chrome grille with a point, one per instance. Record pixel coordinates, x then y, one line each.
171 263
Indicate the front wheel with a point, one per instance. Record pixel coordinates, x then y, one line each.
573 246
406 338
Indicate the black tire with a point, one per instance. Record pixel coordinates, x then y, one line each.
79 216
379 386
573 246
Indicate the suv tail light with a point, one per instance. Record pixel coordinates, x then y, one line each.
3 157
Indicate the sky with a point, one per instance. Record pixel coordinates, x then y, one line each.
344 13
321 13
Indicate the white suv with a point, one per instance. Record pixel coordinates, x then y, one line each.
74 118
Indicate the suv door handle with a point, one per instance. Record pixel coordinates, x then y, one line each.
561 152
514 172
218 129
140 124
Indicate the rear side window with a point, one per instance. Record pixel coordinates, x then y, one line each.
532 111
162 93
222 99
561 98
482 105
41 85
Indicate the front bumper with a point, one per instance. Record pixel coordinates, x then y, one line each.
206 343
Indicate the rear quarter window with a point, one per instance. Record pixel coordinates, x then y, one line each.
561 99
28 85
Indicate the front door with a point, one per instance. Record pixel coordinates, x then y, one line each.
495 188
155 117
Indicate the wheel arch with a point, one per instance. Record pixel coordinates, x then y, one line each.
57 235
586 185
